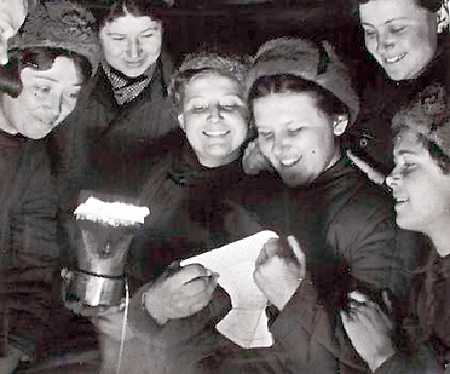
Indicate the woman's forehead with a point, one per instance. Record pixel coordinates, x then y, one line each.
128 23
63 70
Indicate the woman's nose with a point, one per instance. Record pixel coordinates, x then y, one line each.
384 43
134 48
393 179
280 145
214 114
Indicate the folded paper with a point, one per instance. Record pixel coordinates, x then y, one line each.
246 323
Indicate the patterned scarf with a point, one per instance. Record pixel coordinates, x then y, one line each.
126 89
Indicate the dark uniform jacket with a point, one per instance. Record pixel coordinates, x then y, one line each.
371 136
28 250
427 325
346 227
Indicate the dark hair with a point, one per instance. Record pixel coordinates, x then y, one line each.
39 58
430 5
290 83
436 152
137 8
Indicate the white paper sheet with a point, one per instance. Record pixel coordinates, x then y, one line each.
246 323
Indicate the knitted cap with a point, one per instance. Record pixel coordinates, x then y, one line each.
195 63
305 59
60 24
429 115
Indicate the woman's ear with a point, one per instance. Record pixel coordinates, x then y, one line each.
181 120
340 123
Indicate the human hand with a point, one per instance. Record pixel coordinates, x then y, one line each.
9 363
181 293
371 173
276 275
110 321
253 161
369 330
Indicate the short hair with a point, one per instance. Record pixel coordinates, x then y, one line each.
267 85
430 5
137 8
39 58
196 64
438 155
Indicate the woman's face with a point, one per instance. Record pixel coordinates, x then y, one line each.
214 118
420 188
401 35
296 136
47 98
12 15
131 44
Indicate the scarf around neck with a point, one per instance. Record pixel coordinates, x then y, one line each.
127 89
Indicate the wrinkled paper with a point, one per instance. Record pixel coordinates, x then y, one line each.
246 323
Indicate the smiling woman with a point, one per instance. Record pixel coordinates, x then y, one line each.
51 59
125 107
408 39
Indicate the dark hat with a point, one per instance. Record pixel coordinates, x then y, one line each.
428 115
305 59
60 24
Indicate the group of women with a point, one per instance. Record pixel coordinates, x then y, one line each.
220 149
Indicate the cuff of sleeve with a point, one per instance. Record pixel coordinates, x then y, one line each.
300 309
26 346
175 331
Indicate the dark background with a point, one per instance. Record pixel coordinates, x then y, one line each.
240 26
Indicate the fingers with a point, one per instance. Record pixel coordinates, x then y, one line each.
200 286
368 312
189 272
269 250
298 253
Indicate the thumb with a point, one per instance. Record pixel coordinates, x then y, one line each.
298 252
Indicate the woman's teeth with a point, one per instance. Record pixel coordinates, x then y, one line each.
395 59
290 162
216 133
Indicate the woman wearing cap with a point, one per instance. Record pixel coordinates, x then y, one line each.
193 197
409 41
50 68
302 101
110 136
420 183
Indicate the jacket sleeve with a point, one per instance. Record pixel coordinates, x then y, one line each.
181 342
422 362
309 330
34 259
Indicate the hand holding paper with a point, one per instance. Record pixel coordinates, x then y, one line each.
278 274
246 324
180 293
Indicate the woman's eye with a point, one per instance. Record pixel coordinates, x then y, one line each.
408 167
148 36
229 107
397 29
42 89
265 134
369 33
199 108
73 95
294 131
